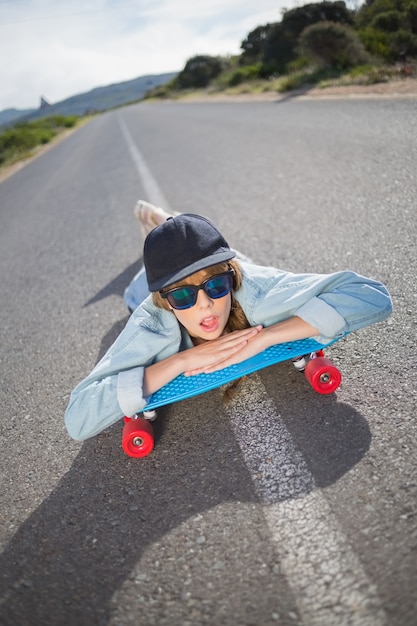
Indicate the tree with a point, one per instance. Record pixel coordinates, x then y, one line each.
278 49
254 43
390 21
198 72
388 28
371 8
280 46
411 16
296 20
403 44
332 45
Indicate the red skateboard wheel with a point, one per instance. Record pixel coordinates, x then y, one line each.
322 375
137 438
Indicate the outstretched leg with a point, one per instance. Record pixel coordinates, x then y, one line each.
149 216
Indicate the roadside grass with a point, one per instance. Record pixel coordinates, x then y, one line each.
299 79
23 139
307 78
369 75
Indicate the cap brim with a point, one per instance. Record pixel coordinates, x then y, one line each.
197 266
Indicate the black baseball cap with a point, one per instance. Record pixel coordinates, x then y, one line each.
181 246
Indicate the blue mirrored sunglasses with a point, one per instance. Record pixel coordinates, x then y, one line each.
185 296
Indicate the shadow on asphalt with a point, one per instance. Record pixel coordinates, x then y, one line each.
294 93
118 284
73 553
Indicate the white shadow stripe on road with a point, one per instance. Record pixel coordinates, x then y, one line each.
329 583
152 190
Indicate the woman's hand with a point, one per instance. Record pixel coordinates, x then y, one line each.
215 354
219 353
289 330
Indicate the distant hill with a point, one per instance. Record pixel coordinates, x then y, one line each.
10 115
96 100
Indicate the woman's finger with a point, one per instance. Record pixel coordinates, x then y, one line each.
220 357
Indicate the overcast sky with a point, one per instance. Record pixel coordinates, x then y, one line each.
60 48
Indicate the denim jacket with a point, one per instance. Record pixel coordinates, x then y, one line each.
335 304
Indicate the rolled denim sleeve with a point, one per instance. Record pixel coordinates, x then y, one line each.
358 300
93 406
335 303
129 391
325 318
115 386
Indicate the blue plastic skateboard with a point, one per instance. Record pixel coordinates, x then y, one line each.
307 355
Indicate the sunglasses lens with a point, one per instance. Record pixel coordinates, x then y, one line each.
183 298
186 296
218 286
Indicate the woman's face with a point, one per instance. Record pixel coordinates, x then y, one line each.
207 319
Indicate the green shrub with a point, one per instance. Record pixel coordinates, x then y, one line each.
62 121
389 46
332 45
390 21
303 78
293 81
16 142
162 91
199 71
299 64
243 74
362 75
376 42
369 75
402 41
361 70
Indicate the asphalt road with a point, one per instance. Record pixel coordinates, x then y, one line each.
280 507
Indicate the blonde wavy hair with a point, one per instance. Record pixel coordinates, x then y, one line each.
237 318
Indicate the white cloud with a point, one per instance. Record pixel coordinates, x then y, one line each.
59 49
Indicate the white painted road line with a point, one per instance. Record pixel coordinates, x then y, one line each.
329 583
153 192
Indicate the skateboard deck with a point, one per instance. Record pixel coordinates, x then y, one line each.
324 377
184 387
